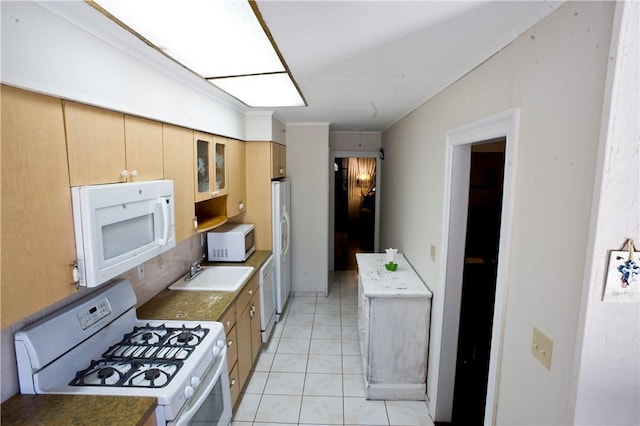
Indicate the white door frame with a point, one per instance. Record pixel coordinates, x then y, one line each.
332 197
446 304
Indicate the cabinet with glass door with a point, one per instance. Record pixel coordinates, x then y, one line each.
211 169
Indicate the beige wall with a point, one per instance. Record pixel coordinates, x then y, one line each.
608 370
555 73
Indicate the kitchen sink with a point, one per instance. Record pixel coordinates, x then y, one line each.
215 278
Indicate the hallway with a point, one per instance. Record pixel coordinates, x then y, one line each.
310 373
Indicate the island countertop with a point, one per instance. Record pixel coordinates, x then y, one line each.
377 281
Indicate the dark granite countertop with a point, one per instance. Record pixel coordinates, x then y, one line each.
78 410
124 410
197 305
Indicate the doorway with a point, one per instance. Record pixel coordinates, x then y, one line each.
479 275
354 209
446 304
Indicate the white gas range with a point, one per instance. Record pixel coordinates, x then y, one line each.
97 346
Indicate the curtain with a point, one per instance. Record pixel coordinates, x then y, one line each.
362 176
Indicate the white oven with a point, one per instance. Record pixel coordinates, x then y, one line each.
211 404
97 346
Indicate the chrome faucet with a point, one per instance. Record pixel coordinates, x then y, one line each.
194 270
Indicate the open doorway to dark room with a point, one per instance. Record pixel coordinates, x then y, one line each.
477 304
355 202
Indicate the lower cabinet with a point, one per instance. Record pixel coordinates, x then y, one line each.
242 327
393 326
245 361
234 385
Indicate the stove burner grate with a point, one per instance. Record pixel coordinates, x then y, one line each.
137 373
149 356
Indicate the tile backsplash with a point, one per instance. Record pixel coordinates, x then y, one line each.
159 273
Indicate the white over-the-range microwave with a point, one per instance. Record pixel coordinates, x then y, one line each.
119 226
231 243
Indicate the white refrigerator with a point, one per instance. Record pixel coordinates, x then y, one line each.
281 231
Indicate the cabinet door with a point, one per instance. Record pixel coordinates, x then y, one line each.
234 385
211 168
258 188
221 169
179 167
232 348
236 197
283 159
143 148
95 144
278 159
256 329
37 224
203 173
245 357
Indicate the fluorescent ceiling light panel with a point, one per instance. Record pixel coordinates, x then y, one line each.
266 90
212 38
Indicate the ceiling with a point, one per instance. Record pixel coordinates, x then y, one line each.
363 65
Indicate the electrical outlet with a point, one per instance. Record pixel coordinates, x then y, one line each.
432 253
141 271
542 347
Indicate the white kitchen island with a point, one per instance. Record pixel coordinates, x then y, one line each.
393 326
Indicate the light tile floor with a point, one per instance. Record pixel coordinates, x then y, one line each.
310 373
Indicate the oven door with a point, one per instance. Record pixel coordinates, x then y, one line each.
211 402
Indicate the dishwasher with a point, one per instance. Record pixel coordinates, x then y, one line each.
267 299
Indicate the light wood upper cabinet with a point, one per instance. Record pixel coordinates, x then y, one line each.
211 174
278 160
236 198
108 147
179 167
258 188
95 144
143 148
37 224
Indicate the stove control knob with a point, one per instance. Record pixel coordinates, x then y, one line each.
215 351
188 391
195 382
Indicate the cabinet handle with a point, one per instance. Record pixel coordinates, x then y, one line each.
125 174
250 292
228 323
229 343
134 174
75 273
232 382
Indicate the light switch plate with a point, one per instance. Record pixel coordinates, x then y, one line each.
542 347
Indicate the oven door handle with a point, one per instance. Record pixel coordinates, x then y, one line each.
202 394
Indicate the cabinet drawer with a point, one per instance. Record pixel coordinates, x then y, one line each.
232 348
228 320
249 290
234 385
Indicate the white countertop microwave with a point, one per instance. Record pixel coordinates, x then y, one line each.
119 226
231 243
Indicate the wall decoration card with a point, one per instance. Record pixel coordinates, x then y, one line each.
623 276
